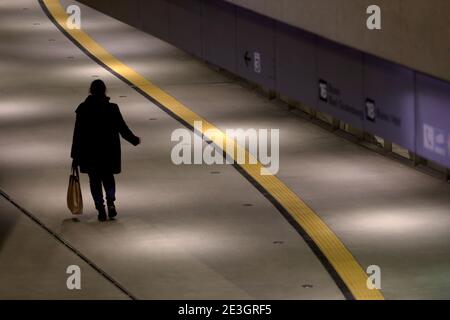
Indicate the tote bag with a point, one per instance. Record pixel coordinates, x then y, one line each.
74 197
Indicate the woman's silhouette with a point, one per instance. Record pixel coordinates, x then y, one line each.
96 145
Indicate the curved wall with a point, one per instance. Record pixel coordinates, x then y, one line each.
415 33
378 96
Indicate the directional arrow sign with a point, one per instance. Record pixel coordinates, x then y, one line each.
247 58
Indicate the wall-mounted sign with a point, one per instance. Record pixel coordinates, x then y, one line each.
433 124
255 39
434 140
257 63
247 58
371 112
389 103
340 86
330 94
323 90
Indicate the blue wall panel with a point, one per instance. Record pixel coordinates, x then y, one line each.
185 28
296 64
433 119
366 92
219 41
155 18
126 11
389 101
339 84
256 48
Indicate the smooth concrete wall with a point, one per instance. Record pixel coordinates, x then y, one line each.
186 30
372 94
415 33
219 18
157 24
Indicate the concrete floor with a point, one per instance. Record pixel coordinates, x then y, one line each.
33 264
183 232
386 213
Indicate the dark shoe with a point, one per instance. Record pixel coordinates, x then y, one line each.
102 215
112 213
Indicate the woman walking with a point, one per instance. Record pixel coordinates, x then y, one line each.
96 146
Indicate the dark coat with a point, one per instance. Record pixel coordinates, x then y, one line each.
96 140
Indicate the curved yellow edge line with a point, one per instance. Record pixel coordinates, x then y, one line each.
329 244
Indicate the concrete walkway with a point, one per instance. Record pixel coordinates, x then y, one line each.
33 264
386 213
182 233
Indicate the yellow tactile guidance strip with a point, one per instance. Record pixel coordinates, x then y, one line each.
338 256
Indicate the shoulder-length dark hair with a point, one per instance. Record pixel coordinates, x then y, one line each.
98 88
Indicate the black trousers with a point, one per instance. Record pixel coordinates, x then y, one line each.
98 182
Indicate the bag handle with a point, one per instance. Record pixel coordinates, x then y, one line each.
76 172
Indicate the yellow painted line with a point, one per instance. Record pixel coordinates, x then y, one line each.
329 244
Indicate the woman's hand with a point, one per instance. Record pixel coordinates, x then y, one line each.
139 140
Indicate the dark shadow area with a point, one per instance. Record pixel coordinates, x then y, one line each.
7 220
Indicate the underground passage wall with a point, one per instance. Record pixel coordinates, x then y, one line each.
414 33
394 102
